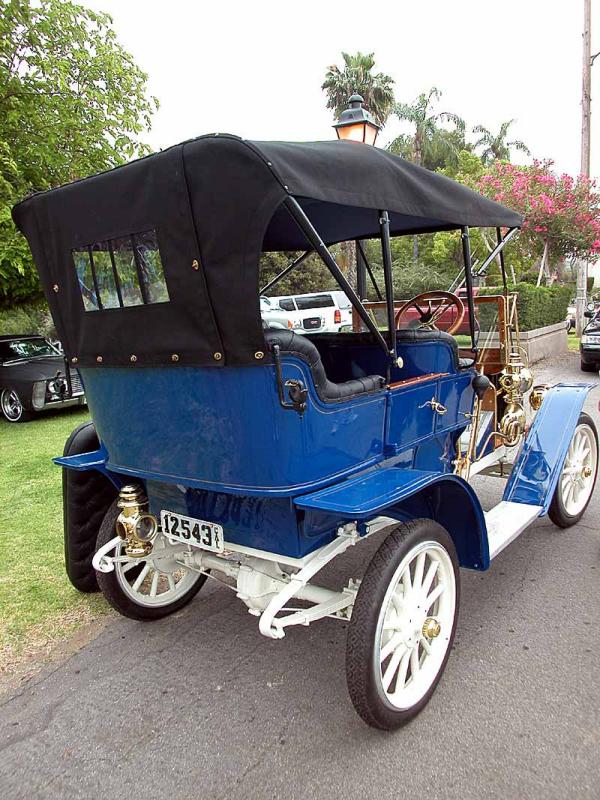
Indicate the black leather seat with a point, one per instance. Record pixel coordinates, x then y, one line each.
416 335
300 346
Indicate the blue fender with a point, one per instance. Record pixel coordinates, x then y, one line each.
94 460
538 466
409 494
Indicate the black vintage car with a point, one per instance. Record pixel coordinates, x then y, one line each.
589 347
33 378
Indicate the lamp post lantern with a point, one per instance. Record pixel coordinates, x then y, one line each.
356 124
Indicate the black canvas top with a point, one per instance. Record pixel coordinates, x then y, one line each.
156 262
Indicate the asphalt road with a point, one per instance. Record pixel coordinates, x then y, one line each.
201 706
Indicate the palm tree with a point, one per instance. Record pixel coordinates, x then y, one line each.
495 145
356 77
428 138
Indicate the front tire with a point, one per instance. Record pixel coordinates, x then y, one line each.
578 477
395 653
150 588
588 367
13 408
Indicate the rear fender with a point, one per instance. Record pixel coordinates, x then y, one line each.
539 464
454 505
405 494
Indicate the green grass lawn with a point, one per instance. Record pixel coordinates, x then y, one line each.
35 593
573 342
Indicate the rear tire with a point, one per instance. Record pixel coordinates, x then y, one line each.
588 367
575 488
392 665
133 590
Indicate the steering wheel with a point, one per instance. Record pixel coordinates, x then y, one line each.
430 306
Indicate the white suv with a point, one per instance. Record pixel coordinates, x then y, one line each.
321 312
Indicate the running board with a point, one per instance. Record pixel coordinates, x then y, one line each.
506 521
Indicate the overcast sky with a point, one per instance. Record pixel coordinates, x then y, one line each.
255 68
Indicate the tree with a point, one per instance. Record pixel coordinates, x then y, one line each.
311 276
562 214
428 137
72 102
495 146
356 77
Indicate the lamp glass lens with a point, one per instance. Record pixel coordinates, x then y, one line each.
353 133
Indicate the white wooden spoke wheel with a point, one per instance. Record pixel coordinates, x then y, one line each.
415 623
154 581
149 587
578 477
403 624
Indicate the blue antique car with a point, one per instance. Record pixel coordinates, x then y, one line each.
220 448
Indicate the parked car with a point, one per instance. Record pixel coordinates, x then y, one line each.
33 378
571 318
316 312
446 311
221 450
272 315
589 346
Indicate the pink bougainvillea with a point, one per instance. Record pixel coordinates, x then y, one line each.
561 213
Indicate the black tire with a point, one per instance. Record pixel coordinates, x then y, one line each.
21 412
112 591
86 499
588 367
557 511
362 654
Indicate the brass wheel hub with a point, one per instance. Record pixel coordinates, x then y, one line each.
431 628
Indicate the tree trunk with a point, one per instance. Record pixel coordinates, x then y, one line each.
347 261
543 263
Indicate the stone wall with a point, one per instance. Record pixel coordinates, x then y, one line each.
545 342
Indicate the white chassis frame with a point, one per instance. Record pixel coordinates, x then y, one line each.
261 582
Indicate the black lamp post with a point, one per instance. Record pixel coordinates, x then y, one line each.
356 124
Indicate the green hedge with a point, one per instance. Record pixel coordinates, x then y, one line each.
26 318
538 306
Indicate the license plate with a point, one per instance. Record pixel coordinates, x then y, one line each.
312 322
195 532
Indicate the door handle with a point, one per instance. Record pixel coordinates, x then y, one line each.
435 406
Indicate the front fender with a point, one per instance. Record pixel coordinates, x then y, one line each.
538 466
406 494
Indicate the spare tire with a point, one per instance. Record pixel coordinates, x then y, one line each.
87 497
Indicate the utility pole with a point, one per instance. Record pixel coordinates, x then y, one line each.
586 101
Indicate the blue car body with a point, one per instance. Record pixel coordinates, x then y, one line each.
285 482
